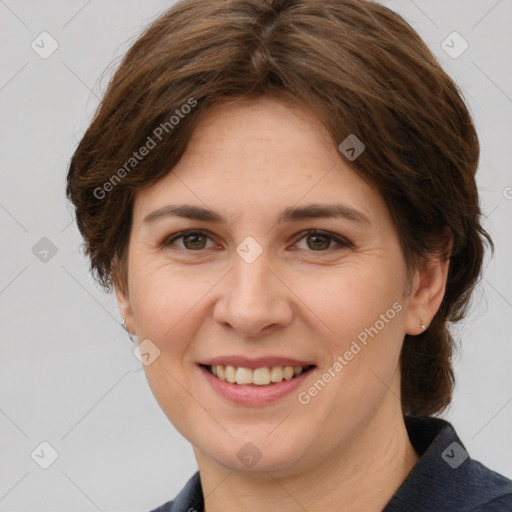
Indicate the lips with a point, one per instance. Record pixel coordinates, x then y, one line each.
255 382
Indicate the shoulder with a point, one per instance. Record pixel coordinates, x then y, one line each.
501 504
446 477
491 491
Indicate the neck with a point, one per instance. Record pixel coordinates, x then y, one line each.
363 477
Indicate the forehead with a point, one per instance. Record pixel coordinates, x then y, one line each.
260 129
249 157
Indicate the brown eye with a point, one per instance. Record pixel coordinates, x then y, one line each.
195 241
322 242
318 242
191 241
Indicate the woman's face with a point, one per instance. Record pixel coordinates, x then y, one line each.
255 290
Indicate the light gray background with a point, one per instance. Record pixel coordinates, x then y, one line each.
68 375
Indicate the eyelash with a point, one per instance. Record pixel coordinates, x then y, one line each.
343 243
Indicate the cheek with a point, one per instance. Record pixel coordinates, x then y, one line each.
164 296
165 305
349 300
362 308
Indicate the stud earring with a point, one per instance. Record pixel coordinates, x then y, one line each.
124 325
423 327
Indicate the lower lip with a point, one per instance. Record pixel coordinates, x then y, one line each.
254 395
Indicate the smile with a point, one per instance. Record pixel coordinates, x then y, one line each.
263 376
254 383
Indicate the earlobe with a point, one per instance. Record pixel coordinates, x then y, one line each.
428 290
123 302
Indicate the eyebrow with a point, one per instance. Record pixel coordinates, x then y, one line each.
292 214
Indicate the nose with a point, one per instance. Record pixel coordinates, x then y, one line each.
253 299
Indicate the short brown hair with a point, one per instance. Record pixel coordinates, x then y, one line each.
362 70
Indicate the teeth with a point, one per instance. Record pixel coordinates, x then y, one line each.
259 376
230 373
276 374
243 376
288 372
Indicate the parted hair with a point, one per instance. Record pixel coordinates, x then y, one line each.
362 70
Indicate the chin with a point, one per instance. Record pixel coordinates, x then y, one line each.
253 451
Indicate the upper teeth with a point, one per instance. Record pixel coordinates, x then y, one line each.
259 376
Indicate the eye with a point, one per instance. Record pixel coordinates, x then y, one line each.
316 241
320 241
192 240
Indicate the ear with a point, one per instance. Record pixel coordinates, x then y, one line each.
428 287
123 299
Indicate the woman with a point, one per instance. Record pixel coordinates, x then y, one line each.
283 196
